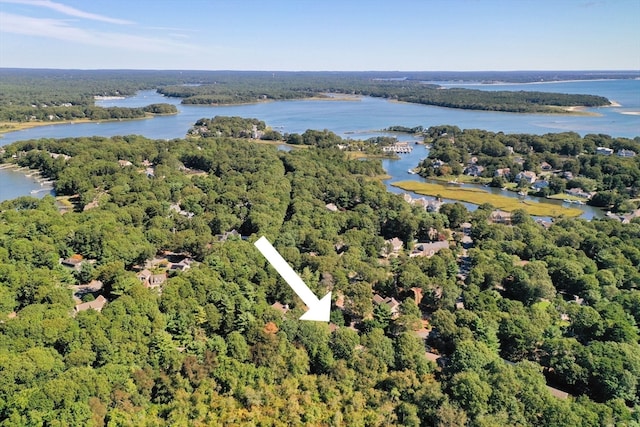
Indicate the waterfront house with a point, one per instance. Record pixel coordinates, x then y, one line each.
578 192
474 170
528 177
434 205
503 172
539 185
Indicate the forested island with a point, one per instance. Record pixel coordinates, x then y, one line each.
32 96
146 303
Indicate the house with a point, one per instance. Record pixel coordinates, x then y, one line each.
500 217
578 192
156 280
282 308
74 262
56 155
604 151
544 166
466 228
432 357
395 245
428 249
626 218
422 202
176 208
227 235
474 170
434 205
528 177
144 276
567 175
124 163
539 185
392 303
331 207
93 286
437 163
97 304
503 172
626 153
151 280
182 265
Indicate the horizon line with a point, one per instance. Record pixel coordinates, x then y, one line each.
637 71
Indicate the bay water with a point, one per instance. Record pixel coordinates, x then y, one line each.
357 118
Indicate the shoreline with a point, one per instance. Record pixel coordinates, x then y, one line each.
8 127
478 197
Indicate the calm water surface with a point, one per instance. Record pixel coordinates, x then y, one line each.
358 118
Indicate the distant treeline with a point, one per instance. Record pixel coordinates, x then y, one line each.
275 88
61 113
71 88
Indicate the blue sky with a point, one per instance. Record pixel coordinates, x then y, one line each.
423 35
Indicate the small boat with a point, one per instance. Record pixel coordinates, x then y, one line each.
454 182
580 202
411 171
522 193
567 201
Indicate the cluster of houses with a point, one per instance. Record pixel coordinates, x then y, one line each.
152 275
604 151
534 181
625 218
432 205
148 166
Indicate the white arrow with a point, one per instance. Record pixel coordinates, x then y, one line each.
319 310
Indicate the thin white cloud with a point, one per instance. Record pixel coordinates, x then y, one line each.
61 30
68 10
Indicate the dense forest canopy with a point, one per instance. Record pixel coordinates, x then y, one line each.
507 309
